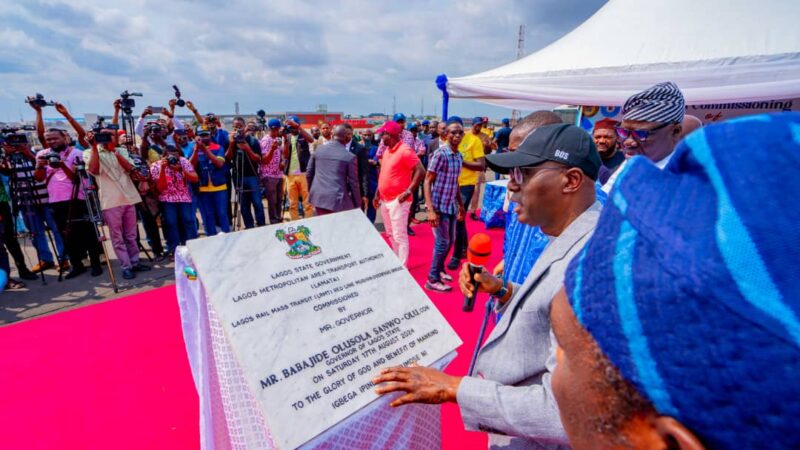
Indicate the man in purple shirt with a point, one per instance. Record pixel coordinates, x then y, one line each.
270 173
67 201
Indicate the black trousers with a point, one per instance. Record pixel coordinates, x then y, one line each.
4 265
151 229
80 238
462 239
10 232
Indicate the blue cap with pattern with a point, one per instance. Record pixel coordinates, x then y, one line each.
691 287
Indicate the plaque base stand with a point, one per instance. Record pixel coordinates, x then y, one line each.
229 414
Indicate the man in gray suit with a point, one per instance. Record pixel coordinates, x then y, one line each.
333 176
509 395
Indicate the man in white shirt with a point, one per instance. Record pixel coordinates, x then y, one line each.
326 135
111 166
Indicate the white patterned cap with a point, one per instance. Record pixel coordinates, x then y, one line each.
660 103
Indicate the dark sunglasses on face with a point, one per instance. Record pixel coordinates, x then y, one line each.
638 135
518 173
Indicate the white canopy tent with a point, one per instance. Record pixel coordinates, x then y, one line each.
716 51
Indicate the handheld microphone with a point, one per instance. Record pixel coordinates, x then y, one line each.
480 247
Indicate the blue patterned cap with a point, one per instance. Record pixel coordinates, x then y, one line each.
660 103
691 284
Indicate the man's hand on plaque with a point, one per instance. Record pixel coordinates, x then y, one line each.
421 385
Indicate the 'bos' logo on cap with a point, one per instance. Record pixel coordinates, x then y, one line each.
562 154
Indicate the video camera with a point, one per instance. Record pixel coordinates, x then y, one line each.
53 159
126 103
153 127
262 118
180 101
9 135
39 101
239 136
100 136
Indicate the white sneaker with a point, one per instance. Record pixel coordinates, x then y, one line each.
444 276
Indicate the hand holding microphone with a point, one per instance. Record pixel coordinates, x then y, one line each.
473 277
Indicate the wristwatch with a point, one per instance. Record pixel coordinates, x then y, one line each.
502 292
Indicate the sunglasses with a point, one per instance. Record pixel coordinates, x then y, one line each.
637 135
518 173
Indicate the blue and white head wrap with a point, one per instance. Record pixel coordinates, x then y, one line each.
660 103
691 283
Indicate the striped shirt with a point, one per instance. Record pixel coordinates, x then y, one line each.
446 164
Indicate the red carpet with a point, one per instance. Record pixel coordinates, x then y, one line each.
115 375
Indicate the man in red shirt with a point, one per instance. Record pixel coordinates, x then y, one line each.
400 175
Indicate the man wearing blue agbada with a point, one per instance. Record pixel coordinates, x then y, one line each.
679 322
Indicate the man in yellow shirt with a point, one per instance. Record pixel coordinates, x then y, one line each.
471 149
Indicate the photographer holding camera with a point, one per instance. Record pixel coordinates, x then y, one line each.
166 121
297 153
111 167
38 102
244 155
29 197
213 124
209 162
220 136
150 151
184 141
271 173
56 166
172 176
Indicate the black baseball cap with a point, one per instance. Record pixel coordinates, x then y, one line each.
562 143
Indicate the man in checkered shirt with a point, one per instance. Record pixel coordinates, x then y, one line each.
444 203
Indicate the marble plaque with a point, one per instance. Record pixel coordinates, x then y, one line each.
313 309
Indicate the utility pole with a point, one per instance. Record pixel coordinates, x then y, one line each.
520 53
236 107
394 105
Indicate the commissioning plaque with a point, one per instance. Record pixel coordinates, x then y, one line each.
313 309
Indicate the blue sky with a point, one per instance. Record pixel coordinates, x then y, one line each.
351 55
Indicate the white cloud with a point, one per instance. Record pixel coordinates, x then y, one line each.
353 55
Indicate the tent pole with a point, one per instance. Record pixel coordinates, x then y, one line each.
441 83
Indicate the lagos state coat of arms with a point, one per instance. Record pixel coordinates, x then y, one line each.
300 246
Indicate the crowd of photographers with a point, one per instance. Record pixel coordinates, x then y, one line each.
160 171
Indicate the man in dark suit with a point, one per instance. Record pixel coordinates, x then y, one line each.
333 176
439 141
362 156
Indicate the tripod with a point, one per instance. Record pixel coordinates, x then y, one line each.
26 199
238 184
129 128
95 215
